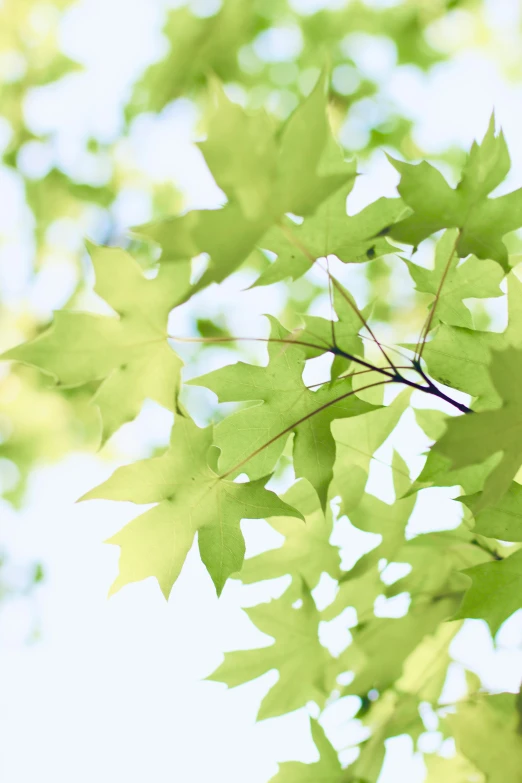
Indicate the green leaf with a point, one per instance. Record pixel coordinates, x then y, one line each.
306 551
474 278
198 45
471 439
326 770
437 470
375 516
485 732
128 352
292 172
356 587
459 357
225 234
496 591
310 165
330 231
503 520
425 670
253 439
437 560
191 498
399 638
328 335
356 441
456 769
241 152
390 716
302 662
482 221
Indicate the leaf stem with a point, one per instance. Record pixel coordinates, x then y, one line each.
391 372
297 423
426 328
332 281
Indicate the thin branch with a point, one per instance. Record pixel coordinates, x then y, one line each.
394 375
313 260
433 389
360 316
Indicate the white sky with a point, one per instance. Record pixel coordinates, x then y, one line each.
112 690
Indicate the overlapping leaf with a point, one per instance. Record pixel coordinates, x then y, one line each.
502 520
390 716
438 470
482 221
496 591
474 278
472 439
265 173
326 770
329 232
191 498
252 440
486 733
356 441
360 586
302 662
128 352
306 552
459 357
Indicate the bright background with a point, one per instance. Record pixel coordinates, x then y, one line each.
110 690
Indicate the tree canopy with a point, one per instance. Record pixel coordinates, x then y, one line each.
418 345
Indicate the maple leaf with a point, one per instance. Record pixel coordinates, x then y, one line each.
485 730
341 337
360 586
474 278
306 552
460 357
302 662
502 520
329 231
436 560
128 352
241 152
253 439
326 770
437 470
290 170
496 591
191 498
456 769
399 637
356 441
472 439
425 670
482 221
390 716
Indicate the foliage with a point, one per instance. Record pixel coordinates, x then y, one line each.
295 454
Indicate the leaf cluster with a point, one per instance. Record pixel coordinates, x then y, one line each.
285 187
